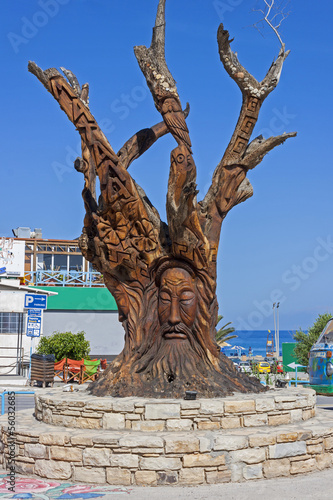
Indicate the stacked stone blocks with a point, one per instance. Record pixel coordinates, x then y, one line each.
138 414
125 456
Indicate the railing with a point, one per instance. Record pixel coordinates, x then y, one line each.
17 360
64 278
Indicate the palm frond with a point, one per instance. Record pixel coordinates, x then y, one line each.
223 334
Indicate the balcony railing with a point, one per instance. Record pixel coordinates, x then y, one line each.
64 278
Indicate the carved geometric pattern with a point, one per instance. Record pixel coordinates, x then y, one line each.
247 125
127 233
240 144
253 104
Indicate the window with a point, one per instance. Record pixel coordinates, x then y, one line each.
60 263
47 259
10 322
75 263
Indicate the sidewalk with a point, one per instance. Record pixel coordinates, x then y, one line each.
311 486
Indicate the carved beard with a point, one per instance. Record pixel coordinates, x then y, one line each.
174 358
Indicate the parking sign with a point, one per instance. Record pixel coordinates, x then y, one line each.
34 323
35 301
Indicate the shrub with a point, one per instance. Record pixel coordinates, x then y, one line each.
65 345
306 340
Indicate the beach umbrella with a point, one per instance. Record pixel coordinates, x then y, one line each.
223 344
239 349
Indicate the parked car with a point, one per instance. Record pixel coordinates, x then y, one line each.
264 367
245 367
279 367
236 364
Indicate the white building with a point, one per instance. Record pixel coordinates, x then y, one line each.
14 343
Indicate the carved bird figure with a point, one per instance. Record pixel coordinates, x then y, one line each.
174 118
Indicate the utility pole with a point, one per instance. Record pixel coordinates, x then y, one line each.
275 339
277 331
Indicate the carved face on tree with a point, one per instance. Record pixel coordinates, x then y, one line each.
182 159
177 303
163 276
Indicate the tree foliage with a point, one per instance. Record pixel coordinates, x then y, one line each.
306 340
223 334
65 345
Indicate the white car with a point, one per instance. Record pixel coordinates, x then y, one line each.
245 367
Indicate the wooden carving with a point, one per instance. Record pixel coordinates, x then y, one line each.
163 276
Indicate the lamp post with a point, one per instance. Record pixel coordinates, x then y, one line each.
277 330
275 339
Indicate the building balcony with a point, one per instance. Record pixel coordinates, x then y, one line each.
64 278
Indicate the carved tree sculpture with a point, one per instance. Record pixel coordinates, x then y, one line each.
163 276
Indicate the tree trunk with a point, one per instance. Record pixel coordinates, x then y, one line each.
169 340
163 276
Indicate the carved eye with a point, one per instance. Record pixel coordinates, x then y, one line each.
186 298
180 158
165 298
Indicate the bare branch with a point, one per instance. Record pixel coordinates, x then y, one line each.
227 188
43 76
85 94
152 61
160 81
108 231
143 140
270 18
229 59
158 39
72 80
258 148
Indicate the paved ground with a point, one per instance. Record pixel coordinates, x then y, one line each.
312 486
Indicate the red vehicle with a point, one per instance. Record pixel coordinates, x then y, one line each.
279 367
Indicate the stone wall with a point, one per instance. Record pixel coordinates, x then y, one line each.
183 458
80 410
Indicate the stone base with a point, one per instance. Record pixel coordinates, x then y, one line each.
84 411
201 456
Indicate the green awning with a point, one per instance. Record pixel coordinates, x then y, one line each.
79 298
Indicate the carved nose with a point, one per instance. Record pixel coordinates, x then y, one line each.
174 313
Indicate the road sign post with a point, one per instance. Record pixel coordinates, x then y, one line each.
294 366
35 303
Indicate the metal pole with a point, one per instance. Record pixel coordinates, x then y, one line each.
29 373
278 330
21 342
18 347
274 323
3 403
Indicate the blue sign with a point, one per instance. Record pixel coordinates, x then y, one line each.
35 301
34 323
2 270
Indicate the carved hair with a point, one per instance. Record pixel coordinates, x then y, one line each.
172 263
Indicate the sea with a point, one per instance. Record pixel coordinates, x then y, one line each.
256 340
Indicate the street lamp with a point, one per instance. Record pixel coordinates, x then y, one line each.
277 330
275 339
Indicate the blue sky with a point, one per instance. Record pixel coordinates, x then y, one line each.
278 245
